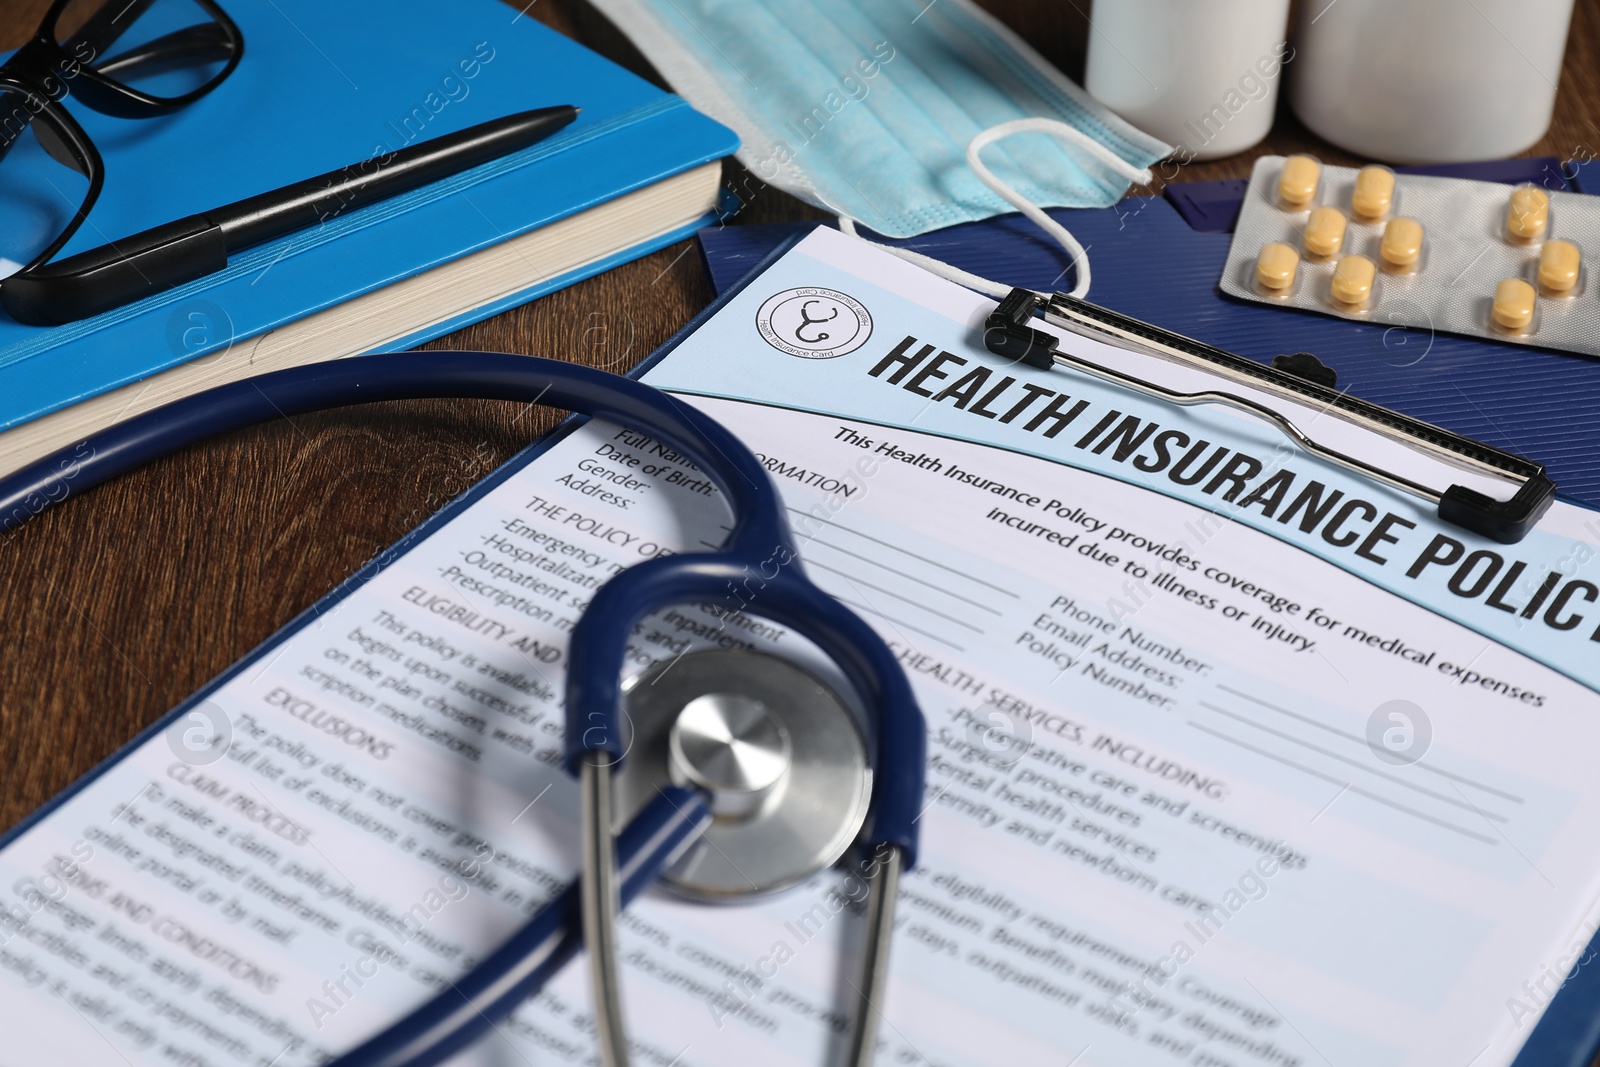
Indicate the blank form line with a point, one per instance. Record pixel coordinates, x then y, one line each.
856 580
1350 788
1462 804
1463 779
898 622
1514 848
905 574
913 555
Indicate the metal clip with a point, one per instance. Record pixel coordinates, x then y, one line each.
1300 377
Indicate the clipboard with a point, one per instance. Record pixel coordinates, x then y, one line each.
1550 1035
1568 1032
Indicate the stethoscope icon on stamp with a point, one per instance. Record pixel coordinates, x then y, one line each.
814 323
807 320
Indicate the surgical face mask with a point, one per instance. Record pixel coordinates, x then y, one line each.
866 107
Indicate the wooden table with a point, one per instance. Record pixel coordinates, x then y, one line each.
124 600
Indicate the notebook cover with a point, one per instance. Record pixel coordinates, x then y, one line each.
323 85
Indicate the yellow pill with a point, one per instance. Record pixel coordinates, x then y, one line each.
1275 266
1402 242
1374 192
1558 266
1513 304
1325 231
1352 280
1298 182
1528 212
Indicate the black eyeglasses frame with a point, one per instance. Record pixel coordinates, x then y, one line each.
40 75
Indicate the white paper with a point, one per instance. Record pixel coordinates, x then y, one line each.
1184 849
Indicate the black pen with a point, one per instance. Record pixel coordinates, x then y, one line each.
165 257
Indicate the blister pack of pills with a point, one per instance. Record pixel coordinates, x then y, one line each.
1478 258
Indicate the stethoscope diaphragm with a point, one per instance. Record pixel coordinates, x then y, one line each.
779 756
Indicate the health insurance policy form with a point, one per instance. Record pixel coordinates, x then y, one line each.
1234 759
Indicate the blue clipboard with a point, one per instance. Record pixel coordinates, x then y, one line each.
1158 259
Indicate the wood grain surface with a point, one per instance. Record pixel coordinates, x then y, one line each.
120 602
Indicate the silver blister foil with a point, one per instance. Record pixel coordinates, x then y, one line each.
1466 253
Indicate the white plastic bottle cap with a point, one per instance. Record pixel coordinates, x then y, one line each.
1202 75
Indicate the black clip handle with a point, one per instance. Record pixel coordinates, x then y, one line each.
1505 521
1008 334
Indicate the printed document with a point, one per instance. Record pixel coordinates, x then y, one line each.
1236 759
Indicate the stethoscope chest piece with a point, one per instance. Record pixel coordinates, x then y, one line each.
779 757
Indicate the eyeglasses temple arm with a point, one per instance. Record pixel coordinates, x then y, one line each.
103 28
185 47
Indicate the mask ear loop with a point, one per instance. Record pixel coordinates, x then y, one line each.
1078 255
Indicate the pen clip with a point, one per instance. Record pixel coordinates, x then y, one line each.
1009 332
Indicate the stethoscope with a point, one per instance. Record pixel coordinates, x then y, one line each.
745 774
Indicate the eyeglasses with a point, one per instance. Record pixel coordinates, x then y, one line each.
129 59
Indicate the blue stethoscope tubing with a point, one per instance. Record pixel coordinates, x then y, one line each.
759 561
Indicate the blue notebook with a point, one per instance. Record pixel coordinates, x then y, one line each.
323 85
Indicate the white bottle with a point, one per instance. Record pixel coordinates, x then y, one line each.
1201 75
1429 81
